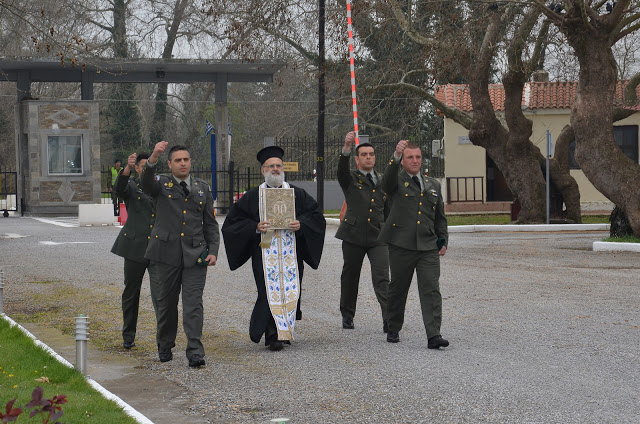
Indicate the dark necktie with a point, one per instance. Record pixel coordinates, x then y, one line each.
370 178
184 188
417 181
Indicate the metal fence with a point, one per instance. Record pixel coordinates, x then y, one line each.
232 182
304 151
8 191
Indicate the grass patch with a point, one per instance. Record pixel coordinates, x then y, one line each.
595 219
625 239
22 362
490 219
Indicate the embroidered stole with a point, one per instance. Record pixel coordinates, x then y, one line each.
280 267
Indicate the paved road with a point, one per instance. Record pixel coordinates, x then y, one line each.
542 329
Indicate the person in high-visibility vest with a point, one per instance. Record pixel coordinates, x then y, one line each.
115 170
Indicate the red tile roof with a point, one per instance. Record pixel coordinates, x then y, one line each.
535 95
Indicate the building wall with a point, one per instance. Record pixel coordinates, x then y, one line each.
60 194
465 160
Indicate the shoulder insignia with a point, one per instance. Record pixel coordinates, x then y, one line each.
157 177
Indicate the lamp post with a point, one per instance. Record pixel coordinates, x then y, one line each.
321 105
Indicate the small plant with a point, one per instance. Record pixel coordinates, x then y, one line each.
50 409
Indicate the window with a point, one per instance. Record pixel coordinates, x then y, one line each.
626 137
65 154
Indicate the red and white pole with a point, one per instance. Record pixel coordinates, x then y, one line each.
353 72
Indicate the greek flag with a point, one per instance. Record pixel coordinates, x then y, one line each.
229 128
209 128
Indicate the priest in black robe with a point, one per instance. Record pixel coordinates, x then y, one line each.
242 230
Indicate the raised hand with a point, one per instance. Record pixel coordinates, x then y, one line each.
402 144
348 140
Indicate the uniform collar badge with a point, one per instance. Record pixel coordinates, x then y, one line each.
200 192
170 184
406 184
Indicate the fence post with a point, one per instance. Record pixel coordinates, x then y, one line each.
230 185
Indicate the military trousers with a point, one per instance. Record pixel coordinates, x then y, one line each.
167 282
133 274
426 264
353 256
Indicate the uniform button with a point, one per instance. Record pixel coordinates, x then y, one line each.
434 208
421 194
156 236
394 225
185 200
138 198
360 188
345 220
169 196
200 202
419 213
418 222
152 215
372 200
184 211
181 234
420 203
151 226
406 195
373 191
125 234
149 237
184 223
368 219
370 210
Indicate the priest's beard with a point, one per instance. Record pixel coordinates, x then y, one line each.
274 180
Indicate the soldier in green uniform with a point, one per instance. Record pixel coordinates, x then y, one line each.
359 229
416 232
184 241
111 184
132 242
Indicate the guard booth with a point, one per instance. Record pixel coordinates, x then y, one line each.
61 151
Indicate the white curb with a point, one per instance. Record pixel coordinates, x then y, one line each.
128 409
513 228
610 246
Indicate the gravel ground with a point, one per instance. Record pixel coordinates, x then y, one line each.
542 329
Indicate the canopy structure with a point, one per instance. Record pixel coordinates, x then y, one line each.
24 71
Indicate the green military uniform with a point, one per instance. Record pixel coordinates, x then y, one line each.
415 230
131 244
359 232
185 228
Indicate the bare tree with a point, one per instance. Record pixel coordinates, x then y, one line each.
592 29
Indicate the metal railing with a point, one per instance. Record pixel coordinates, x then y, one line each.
303 150
231 182
465 189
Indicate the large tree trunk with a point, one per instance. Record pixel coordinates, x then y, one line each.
603 163
560 175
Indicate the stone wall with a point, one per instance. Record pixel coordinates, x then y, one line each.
50 193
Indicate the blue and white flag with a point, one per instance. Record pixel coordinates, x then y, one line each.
229 128
209 128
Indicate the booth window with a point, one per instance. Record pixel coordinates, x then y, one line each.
65 154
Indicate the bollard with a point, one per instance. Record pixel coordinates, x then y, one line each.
1 290
82 335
